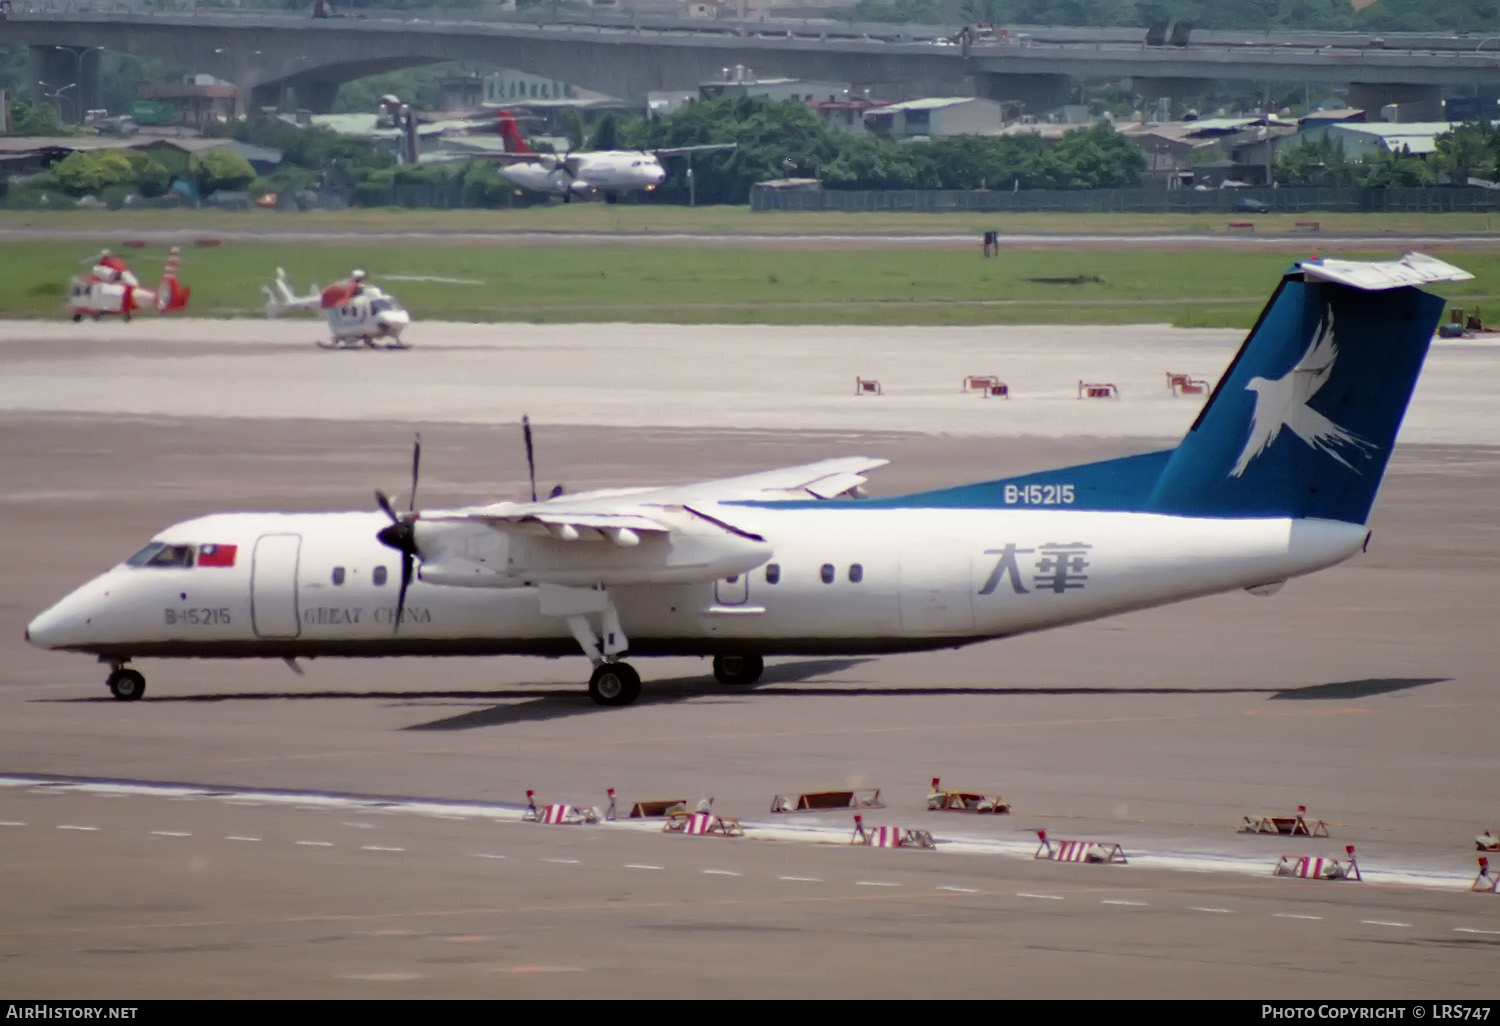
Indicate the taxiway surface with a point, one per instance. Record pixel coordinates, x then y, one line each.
1365 692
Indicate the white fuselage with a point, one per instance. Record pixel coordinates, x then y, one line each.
607 171
321 584
371 315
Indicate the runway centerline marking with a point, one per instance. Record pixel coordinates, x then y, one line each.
376 847
721 872
316 844
1382 922
11 822
958 890
1117 901
562 862
875 883
170 833
1043 897
1470 929
484 855
240 837
640 865
1209 908
1292 915
802 879
362 826
70 826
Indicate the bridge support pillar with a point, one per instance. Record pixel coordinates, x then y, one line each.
315 95
1178 92
66 78
1038 94
1412 102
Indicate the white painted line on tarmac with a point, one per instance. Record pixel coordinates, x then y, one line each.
721 872
316 844
959 890
640 865
69 826
240 837
802 879
376 847
1044 897
562 862
1117 901
1209 908
170 833
362 826
875 883
484 855
11 822
1293 915
1382 922
1470 929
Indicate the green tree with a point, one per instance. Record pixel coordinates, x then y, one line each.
1468 151
83 172
606 134
149 175
1393 170
1314 162
31 118
220 168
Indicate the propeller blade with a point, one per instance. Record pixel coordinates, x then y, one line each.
416 463
385 505
406 567
530 459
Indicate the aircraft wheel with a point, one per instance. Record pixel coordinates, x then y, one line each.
77 317
614 684
738 670
367 340
610 197
126 685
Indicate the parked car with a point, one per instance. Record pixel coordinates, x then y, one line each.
1247 205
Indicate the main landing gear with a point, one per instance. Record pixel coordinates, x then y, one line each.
125 685
614 684
738 670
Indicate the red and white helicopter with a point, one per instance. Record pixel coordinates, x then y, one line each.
111 288
357 312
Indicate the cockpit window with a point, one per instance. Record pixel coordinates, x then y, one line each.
161 554
380 306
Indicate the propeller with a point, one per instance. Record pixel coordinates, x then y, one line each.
530 459
401 535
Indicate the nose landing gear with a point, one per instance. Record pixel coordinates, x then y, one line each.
126 685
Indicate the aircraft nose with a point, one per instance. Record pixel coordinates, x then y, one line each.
64 625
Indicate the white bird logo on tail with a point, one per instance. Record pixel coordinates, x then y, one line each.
1283 403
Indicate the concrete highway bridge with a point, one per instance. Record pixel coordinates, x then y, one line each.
266 53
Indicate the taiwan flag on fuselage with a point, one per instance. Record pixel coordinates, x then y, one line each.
216 555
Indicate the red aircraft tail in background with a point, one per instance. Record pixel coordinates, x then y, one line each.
506 123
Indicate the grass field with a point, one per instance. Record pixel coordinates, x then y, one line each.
726 285
599 217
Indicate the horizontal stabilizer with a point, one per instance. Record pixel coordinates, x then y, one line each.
1375 275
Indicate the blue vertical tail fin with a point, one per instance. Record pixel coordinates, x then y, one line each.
1303 422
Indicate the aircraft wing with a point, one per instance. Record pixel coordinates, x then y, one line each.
824 479
678 151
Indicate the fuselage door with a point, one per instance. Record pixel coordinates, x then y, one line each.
732 591
273 586
936 593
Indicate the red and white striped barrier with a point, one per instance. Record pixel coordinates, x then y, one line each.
701 824
890 836
1486 842
1098 852
1486 881
1313 867
565 814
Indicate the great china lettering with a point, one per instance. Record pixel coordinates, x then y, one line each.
328 616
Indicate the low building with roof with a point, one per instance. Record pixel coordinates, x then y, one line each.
936 116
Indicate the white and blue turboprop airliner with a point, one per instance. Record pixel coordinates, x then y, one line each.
1274 479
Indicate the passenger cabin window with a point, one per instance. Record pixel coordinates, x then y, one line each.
161 554
773 573
338 575
379 576
856 573
827 573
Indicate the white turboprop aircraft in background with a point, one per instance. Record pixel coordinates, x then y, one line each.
786 562
606 173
